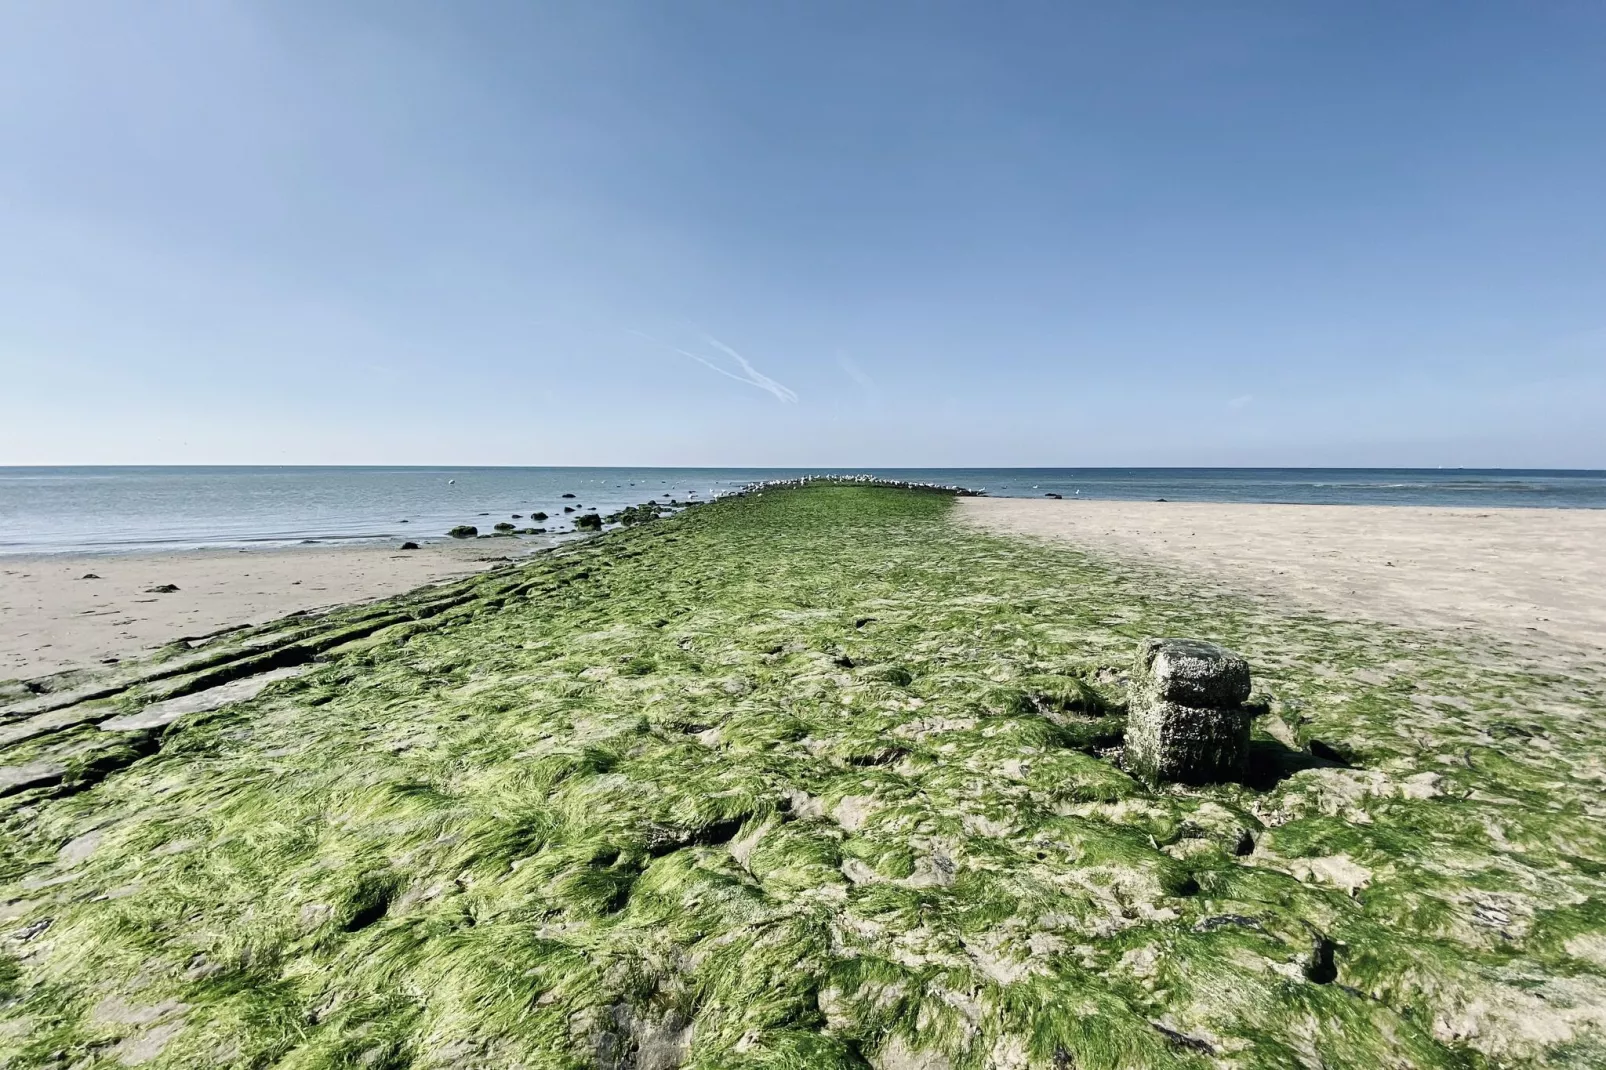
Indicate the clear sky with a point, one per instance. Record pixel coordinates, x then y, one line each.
807 232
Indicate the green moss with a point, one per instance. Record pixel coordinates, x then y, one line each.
829 778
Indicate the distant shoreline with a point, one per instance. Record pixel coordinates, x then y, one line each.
120 510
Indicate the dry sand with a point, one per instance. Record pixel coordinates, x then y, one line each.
52 619
1533 576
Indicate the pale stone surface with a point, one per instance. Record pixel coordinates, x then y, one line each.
160 714
31 775
1193 672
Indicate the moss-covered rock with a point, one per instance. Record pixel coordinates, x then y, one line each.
1186 720
1191 672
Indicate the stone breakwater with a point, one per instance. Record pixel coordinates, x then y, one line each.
813 778
643 512
854 481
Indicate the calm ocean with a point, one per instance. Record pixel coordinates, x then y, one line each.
120 509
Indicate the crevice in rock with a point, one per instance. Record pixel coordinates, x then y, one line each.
663 841
92 773
883 756
1183 1040
1321 970
1328 754
1220 921
371 904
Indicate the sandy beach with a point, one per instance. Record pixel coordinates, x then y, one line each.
1532 576
54 618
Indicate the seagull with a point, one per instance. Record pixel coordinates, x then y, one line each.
449 482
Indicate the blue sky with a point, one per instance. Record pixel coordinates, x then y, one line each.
811 233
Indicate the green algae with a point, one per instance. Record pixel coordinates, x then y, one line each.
806 778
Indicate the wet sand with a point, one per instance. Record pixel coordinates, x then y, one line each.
53 619
1536 577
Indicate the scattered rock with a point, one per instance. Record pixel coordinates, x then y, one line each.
409 546
162 588
568 495
588 522
1051 494
1187 721
464 531
632 515
89 576
537 516
503 526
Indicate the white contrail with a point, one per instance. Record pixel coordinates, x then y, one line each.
756 377
752 376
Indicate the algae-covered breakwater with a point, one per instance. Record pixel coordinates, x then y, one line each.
808 777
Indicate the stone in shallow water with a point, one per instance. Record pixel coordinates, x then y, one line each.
1192 672
1186 720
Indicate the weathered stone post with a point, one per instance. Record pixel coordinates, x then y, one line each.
1185 719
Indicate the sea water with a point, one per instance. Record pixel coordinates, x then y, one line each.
133 508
